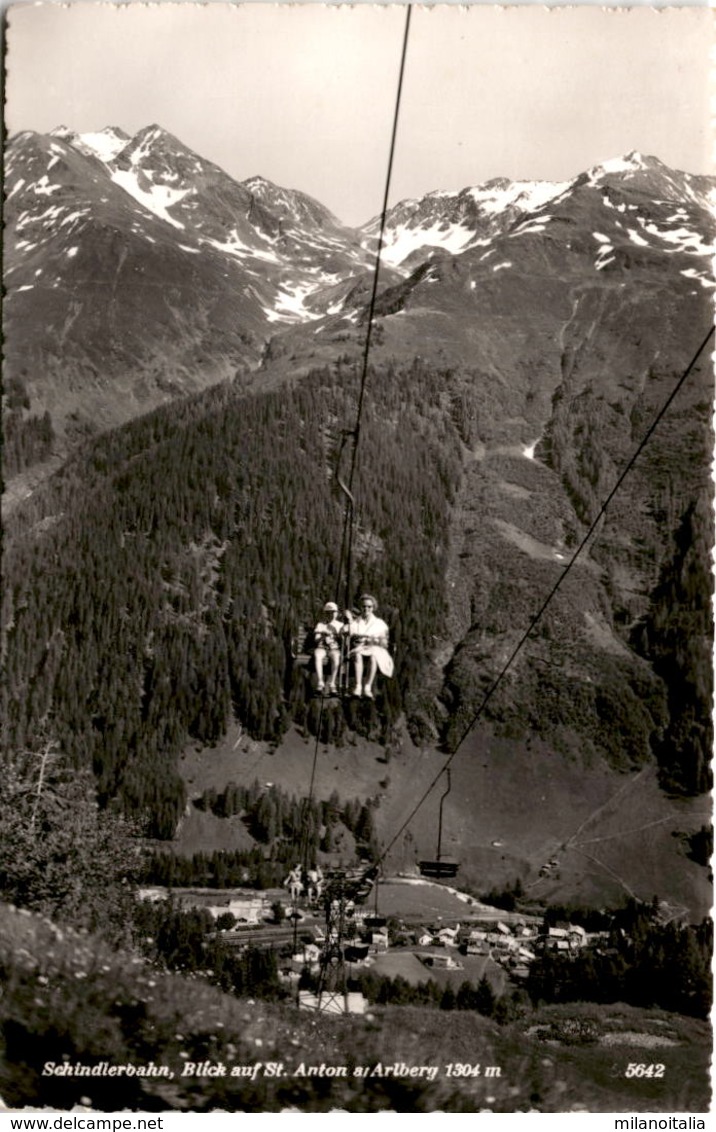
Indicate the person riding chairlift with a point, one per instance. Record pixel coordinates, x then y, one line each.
368 640
327 638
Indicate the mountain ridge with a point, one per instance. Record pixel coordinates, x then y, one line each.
241 263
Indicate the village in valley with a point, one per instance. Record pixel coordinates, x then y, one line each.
485 942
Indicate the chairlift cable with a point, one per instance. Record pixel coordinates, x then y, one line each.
346 553
349 520
305 847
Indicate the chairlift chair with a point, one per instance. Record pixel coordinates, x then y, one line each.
439 867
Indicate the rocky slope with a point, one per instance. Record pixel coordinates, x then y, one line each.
562 334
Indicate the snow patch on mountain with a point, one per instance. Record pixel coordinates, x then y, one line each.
530 226
289 305
629 165
637 239
16 188
235 246
48 217
456 221
704 280
527 195
682 238
43 188
105 144
604 258
400 243
609 203
71 217
157 199
605 255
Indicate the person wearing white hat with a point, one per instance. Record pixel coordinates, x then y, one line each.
327 641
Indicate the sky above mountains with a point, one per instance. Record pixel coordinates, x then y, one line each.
304 94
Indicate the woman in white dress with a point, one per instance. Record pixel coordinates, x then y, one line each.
368 640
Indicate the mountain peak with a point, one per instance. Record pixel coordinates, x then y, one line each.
289 204
631 162
151 132
155 139
258 182
105 144
644 160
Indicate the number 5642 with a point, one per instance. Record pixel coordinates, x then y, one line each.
639 1069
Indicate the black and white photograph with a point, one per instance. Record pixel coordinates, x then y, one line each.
357 644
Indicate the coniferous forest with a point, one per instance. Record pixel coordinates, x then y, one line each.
155 588
158 587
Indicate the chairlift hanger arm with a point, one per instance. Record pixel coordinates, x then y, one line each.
346 435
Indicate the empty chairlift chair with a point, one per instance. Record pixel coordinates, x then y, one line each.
440 867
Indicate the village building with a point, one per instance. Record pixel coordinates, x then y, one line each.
577 935
246 910
501 942
379 941
441 962
477 947
557 933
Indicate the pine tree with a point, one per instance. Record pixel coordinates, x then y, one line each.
61 855
485 997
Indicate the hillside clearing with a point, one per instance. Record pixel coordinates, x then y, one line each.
611 833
